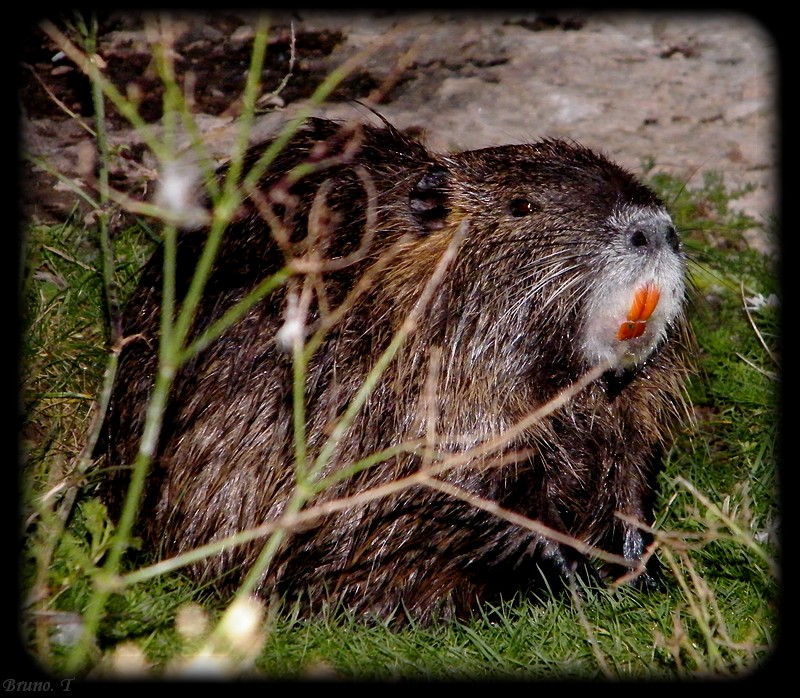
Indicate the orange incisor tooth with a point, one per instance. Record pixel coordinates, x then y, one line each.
644 303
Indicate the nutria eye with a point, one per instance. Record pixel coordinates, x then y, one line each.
523 207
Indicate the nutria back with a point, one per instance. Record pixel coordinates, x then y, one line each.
509 272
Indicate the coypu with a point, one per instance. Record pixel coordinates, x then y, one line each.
565 261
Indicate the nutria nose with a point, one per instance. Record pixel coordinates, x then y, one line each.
661 233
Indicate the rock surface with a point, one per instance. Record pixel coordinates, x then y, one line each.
691 93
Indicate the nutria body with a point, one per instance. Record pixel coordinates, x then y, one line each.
564 261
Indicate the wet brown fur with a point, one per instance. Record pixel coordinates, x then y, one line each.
504 336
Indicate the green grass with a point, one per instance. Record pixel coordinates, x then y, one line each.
718 512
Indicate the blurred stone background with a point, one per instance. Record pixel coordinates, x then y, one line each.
691 93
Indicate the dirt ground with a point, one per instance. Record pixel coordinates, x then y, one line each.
691 92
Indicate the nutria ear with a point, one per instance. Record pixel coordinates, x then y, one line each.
429 198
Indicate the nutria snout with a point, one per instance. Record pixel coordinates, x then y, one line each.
560 261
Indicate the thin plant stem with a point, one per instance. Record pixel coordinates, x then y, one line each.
175 329
301 494
741 536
